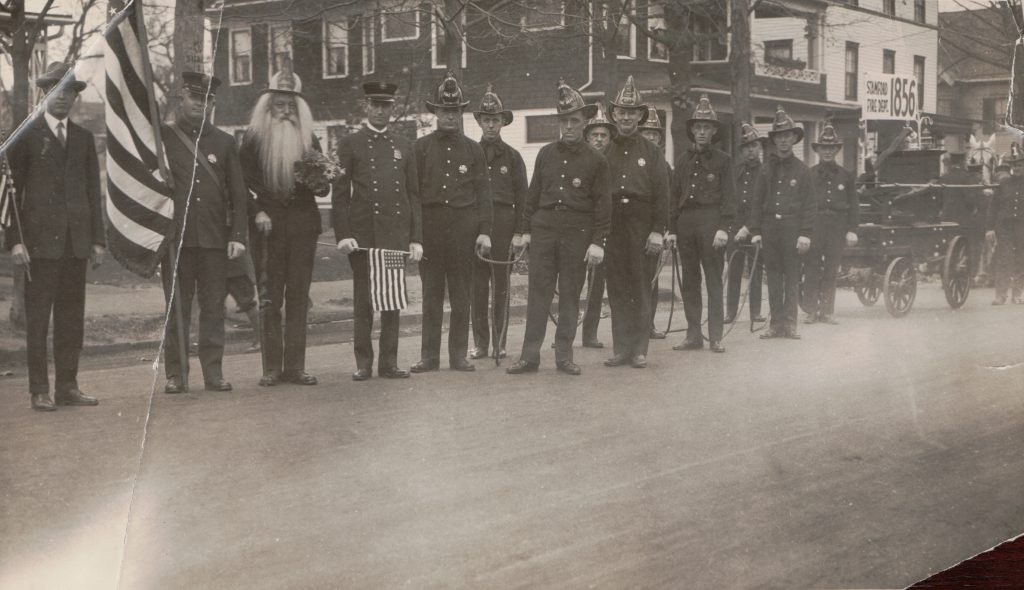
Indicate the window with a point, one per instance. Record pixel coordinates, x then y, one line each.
400 26
852 69
888 61
624 38
241 56
656 23
369 41
919 11
543 14
439 42
542 129
778 52
280 45
711 42
919 76
889 7
993 115
336 47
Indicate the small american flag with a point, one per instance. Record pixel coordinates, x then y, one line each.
387 279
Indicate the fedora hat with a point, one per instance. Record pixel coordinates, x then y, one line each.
490 104
570 101
706 114
447 95
600 120
628 98
783 123
56 72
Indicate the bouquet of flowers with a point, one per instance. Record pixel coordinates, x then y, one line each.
316 171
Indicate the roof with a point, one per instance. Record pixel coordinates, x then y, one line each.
976 44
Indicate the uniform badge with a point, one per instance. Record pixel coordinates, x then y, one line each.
463 169
841 187
398 154
711 177
504 169
792 182
212 158
576 182
641 162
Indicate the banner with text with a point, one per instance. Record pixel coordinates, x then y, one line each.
888 97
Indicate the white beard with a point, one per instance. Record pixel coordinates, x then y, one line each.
280 149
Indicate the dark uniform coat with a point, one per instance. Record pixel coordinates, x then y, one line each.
781 212
61 217
376 200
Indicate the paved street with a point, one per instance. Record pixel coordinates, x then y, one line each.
867 455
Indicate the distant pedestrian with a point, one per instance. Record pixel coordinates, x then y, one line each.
58 229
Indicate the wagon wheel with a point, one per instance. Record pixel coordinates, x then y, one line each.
956 276
869 294
900 286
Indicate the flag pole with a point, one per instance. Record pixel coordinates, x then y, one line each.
172 251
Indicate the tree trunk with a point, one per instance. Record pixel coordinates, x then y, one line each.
21 55
739 62
679 73
189 31
453 37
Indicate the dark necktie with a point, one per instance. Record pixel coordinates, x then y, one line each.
60 135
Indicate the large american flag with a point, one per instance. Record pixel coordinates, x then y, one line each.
140 205
387 279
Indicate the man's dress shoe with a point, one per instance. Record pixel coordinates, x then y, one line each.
41 402
520 367
425 366
218 385
75 397
392 373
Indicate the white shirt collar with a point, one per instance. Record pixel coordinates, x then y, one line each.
52 121
375 130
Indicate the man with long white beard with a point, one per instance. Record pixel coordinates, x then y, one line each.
286 216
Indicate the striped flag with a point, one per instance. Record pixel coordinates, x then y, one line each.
387 279
140 205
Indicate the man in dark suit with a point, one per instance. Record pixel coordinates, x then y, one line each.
208 183
365 217
1005 227
59 226
507 174
751 146
285 212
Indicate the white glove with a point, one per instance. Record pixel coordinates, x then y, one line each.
803 244
595 254
524 243
483 244
97 255
654 243
851 239
415 252
721 239
348 245
756 240
263 222
235 249
988 192
20 254
990 236
743 234
670 240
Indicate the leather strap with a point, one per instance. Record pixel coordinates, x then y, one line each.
197 153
